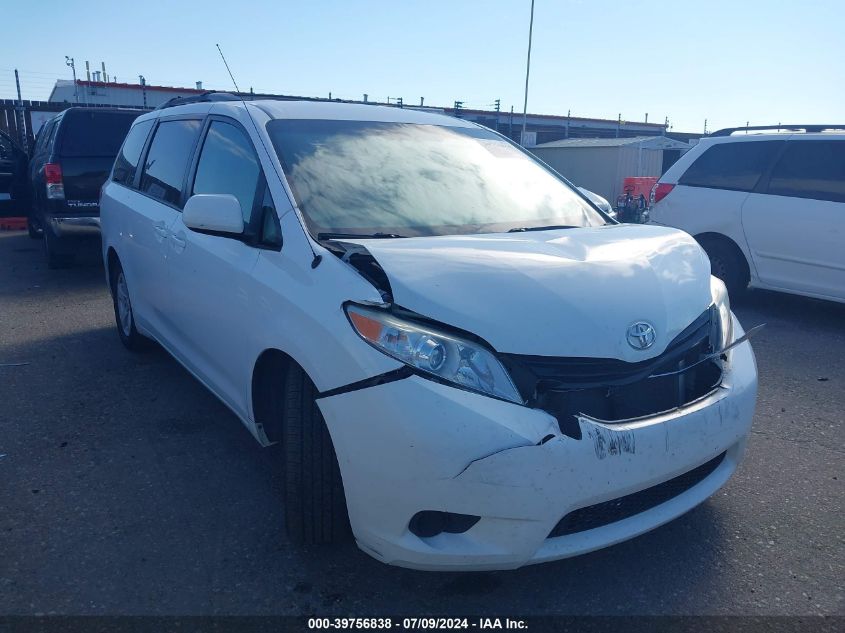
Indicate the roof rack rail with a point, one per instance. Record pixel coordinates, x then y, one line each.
800 127
205 97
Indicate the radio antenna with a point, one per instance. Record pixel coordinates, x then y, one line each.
229 70
317 258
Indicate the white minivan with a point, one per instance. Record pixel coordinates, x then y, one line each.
467 365
769 208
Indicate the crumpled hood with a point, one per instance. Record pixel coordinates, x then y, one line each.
571 292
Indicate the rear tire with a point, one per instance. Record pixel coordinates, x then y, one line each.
728 264
33 229
315 504
123 314
57 257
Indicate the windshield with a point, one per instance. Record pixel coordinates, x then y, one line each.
373 177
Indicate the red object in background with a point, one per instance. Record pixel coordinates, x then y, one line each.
639 185
12 224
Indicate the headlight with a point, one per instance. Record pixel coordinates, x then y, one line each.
722 304
451 358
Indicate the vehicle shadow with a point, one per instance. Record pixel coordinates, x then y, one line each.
660 572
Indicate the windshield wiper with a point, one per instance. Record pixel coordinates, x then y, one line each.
352 236
551 227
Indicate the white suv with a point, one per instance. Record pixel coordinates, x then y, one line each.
769 209
464 361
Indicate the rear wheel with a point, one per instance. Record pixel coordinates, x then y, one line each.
315 504
33 229
125 318
728 264
54 250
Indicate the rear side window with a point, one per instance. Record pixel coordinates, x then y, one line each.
94 133
130 153
44 136
167 160
811 169
735 166
228 164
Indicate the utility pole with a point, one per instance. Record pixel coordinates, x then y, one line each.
510 125
69 62
19 117
527 70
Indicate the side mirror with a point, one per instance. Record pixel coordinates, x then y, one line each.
214 213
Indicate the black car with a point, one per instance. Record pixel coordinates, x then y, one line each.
72 158
12 178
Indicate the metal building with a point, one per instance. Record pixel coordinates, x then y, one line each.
116 94
601 164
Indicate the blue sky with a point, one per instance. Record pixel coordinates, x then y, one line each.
728 62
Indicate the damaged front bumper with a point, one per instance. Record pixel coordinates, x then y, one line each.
413 445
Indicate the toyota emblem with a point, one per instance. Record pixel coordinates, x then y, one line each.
641 335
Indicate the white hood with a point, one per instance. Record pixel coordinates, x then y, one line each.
570 292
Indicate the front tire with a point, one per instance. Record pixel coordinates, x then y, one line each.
315 504
123 315
728 264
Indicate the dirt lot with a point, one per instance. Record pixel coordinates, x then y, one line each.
125 487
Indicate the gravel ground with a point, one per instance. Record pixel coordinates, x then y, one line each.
127 488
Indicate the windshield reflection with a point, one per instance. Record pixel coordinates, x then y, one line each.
365 177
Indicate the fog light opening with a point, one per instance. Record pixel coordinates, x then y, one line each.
430 523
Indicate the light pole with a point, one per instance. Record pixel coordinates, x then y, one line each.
527 70
69 62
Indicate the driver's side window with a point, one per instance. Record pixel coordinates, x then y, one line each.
228 164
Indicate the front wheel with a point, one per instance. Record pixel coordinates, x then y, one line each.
315 504
125 318
728 264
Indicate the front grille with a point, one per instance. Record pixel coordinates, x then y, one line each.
612 390
615 510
